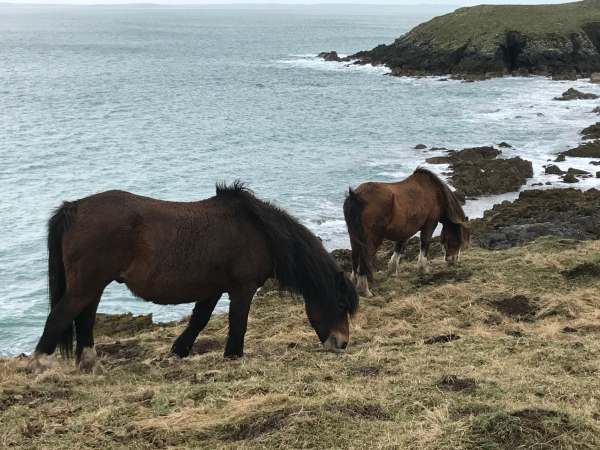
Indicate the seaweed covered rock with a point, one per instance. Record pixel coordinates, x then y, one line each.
479 171
567 213
493 40
574 94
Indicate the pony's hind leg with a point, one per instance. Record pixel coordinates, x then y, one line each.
200 317
59 320
85 353
394 264
239 307
425 237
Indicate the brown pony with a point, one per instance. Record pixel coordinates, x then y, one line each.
175 252
396 211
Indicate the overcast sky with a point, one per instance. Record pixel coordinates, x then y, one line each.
213 2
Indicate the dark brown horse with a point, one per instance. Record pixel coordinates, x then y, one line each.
175 252
396 211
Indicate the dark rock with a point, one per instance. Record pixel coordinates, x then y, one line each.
420 146
596 110
568 213
595 163
577 171
560 158
474 154
122 325
569 330
591 132
574 94
595 77
553 170
597 174
438 160
495 176
504 145
330 56
587 150
565 76
570 178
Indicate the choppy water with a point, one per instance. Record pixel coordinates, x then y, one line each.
166 101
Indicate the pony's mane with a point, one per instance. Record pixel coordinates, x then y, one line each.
453 211
302 265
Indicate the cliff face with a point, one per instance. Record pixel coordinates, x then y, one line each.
498 39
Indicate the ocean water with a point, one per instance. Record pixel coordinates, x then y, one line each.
167 101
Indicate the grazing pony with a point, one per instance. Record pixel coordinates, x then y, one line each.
396 211
176 252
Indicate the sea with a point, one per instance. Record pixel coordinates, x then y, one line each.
167 101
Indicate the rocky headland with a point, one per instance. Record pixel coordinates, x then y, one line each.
562 41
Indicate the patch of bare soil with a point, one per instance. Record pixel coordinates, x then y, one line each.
517 307
455 383
526 428
253 426
206 345
584 270
442 339
121 350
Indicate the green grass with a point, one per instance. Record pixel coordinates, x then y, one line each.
484 25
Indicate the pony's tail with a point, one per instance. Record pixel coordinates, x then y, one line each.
353 208
59 223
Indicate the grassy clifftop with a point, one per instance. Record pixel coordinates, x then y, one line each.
492 40
485 24
501 351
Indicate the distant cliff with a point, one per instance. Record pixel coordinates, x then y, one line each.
494 40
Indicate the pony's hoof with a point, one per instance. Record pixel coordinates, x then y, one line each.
88 361
39 363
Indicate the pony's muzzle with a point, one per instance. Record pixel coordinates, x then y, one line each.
335 344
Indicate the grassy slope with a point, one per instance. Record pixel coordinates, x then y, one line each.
528 385
484 24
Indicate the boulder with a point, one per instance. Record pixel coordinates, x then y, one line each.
420 146
587 150
553 170
560 158
595 77
567 213
330 56
570 178
504 145
574 94
591 132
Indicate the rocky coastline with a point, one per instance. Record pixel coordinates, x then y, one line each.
486 41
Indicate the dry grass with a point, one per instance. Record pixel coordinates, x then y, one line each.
524 372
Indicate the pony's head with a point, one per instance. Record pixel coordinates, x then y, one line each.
455 237
331 320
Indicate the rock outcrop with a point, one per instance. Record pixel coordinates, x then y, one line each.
478 171
494 40
567 213
574 94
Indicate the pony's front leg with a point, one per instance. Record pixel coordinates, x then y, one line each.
239 307
200 317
